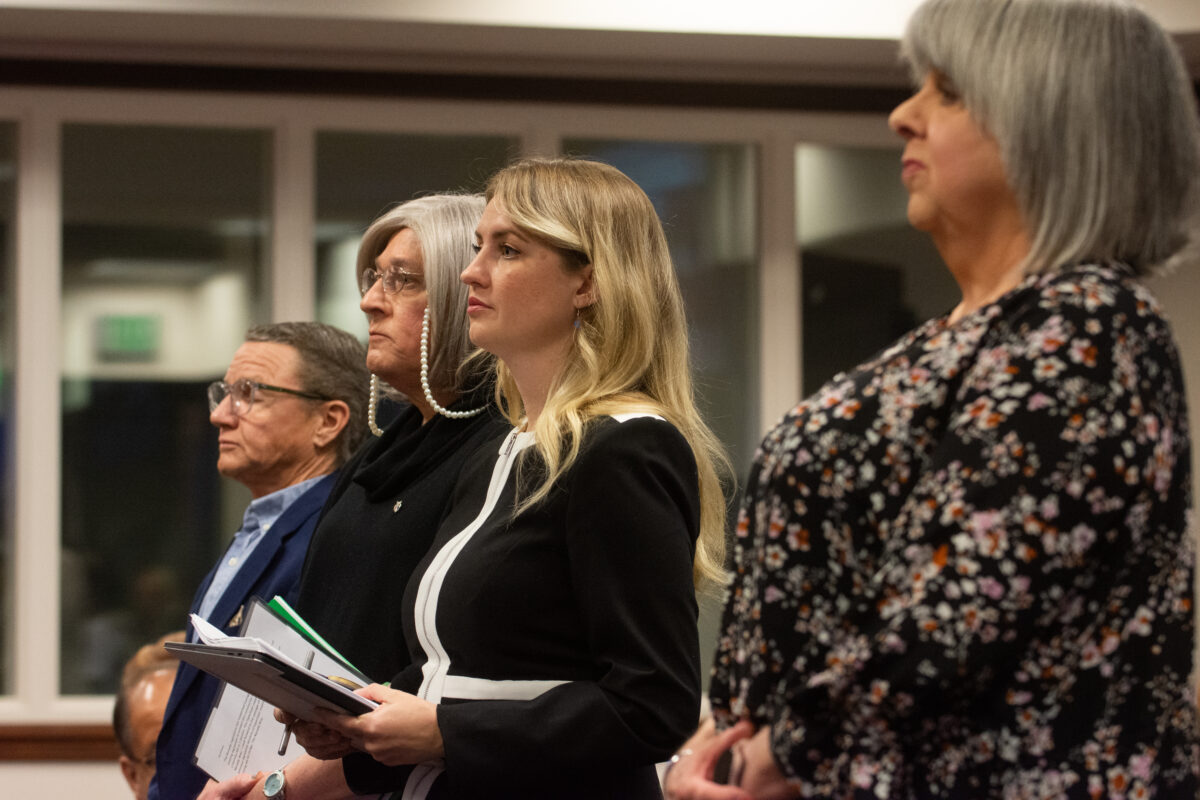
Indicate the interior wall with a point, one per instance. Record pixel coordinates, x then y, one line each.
843 190
95 781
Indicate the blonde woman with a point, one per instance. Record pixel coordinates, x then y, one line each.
553 624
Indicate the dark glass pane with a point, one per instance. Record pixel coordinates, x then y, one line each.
163 242
867 276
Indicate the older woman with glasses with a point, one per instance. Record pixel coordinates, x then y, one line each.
384 510
382 515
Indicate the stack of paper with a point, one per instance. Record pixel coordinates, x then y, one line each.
277 661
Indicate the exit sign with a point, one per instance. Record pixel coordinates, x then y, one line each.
122 337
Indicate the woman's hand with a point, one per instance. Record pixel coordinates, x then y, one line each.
234 788
754 771
403 730
316 739
760 774
690 778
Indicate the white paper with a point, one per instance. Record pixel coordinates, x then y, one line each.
259 642
242 734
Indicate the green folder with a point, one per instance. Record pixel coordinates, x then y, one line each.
291 617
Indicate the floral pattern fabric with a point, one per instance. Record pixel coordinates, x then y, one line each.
964 568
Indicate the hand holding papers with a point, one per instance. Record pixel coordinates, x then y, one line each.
261 665
266 661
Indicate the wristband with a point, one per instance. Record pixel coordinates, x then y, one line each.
675 759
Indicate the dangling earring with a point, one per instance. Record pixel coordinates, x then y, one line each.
577 319
372 401
425 377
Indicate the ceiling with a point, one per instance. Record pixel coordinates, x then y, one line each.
849 42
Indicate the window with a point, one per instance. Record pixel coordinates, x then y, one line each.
163 247
868 277
179 220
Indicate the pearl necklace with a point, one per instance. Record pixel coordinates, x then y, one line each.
373 397
372 400
425 377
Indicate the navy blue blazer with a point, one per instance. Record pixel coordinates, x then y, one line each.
273 568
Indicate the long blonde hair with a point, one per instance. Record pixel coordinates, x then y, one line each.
630 351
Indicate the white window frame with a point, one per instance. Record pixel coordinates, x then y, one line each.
294 121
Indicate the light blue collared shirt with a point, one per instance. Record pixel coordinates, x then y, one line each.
260 515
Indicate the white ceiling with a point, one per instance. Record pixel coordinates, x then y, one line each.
802 41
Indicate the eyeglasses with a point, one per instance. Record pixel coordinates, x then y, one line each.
394 280
241 394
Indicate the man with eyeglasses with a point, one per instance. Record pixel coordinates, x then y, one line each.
290 410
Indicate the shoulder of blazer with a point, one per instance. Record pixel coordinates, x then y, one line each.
300 515
306 507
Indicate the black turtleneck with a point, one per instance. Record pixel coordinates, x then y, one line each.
377 525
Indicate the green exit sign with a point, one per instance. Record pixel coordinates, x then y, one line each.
133 337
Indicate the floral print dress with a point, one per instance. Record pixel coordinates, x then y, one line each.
963 568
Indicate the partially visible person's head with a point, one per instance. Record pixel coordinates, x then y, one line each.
138 712
425 243
292 405
1093 113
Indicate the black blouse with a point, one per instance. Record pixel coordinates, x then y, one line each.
377 524
561 643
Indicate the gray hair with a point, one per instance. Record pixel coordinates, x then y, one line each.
332 363
445 228
1094 115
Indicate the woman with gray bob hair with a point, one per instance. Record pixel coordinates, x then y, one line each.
382 514
384 510
438 222
964 567
1094 114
